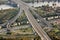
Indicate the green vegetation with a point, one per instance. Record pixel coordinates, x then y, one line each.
55 33
26 30
22 19
3 1
45 13
8 14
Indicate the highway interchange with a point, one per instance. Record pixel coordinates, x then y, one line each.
32 20
37 27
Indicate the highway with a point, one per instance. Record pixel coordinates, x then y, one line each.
33 22
37 27
13 19
39 17
31 19
42 21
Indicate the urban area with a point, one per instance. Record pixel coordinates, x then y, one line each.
29 19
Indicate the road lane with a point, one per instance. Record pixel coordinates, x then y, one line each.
33 22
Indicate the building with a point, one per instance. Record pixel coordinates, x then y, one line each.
58 9
22 33
57 21
3 1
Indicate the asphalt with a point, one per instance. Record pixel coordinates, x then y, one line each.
31 19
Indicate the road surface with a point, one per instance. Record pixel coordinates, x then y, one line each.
31 19
33 22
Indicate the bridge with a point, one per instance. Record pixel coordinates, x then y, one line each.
37 27
32 20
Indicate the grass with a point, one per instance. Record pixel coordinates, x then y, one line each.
7 14
54 33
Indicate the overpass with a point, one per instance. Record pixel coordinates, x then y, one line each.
32 20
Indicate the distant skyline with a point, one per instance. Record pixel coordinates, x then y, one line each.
48 0
43 0
51 0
